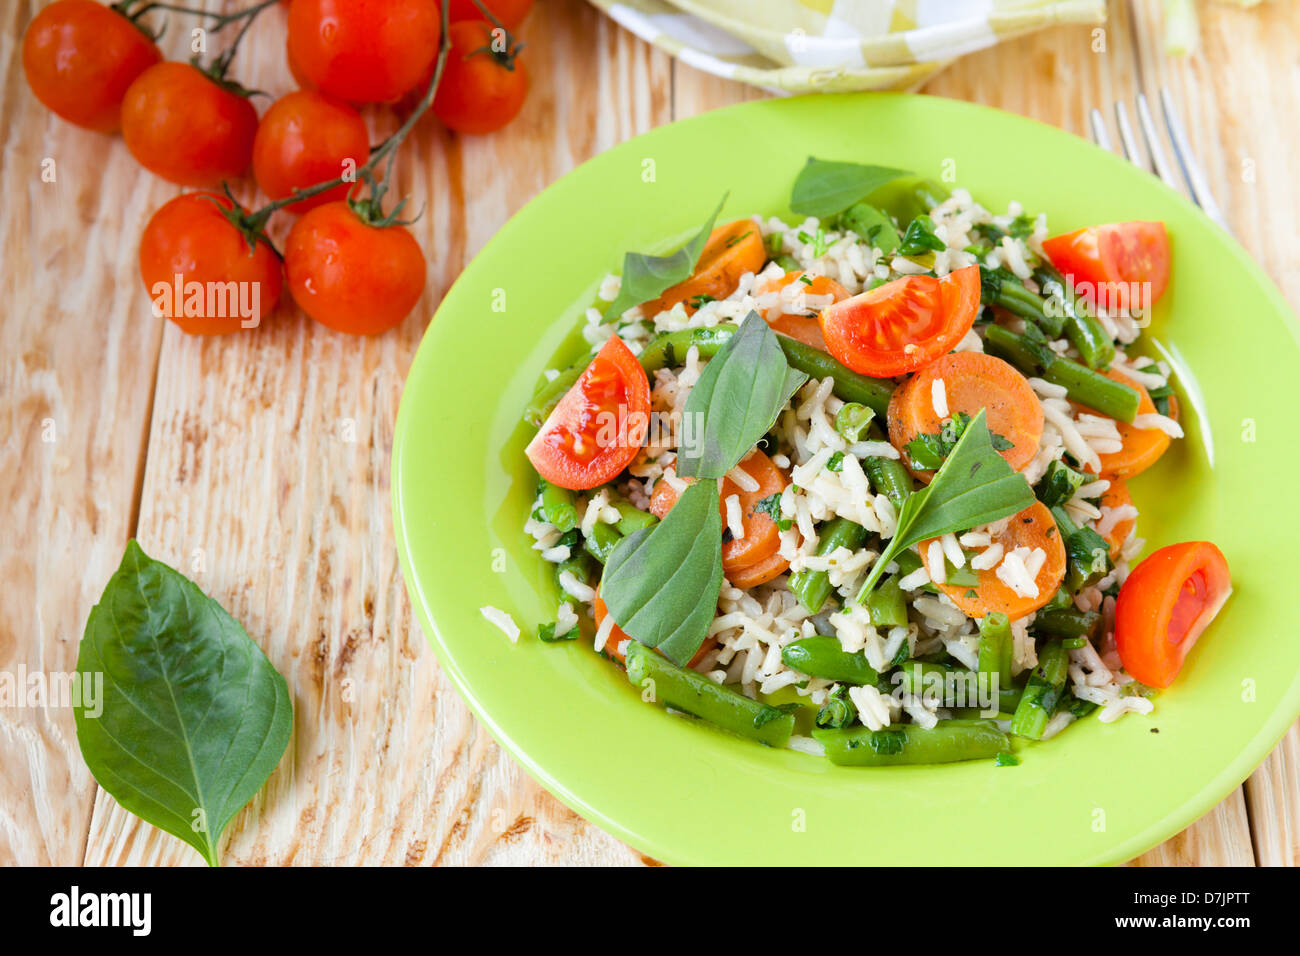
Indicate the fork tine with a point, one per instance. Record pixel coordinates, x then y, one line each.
1192 171
1154 147
1126 137
1099 134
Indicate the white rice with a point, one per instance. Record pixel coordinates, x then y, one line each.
502 621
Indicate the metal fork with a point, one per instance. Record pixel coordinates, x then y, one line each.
1197 186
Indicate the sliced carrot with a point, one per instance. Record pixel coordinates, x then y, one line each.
971 381
762 537
760 573
1117 496
732 250
803 325
617 636
1032 528
1142 446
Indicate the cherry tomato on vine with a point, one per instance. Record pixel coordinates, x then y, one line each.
511 13
306 138
350 275
199 270
186 127
80 57
364 51
484 84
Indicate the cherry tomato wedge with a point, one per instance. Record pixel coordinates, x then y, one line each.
1121 265
599 424
902 325
618 637
762 537
1165 605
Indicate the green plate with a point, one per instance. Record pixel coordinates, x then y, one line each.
686 793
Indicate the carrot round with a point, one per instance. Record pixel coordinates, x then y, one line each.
618 636
803 326
1117 496
971 381
1142 446
762 537
732 250
1032 528
759 573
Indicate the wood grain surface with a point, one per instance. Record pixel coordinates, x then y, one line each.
258 463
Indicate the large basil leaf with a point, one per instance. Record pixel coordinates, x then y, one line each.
645 277
735 402
194 717
825 188
975 486
661 584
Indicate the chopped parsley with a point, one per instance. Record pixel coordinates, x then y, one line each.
836 462
930 449
771 506
920 238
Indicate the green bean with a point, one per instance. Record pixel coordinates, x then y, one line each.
581 565
670 348
1082 327
927 194
851 421
685 690
960 688
887 605
1089 387
1042 693
631 518
548 396
812 588
1086 386
889 478
838 710
947 742
995 647
787 262
872 226
1016 299
1067 622
849 385
604 538
559 505
824 657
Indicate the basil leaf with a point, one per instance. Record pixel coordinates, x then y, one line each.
974 487
194 717
736 400
920 238
645 277
661 583
824 188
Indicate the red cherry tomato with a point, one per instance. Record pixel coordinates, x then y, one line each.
1165 605
80 57
182 125
306 138
511 13
599 424
484 84
351 276
199 270
364 51
1121 264
902 325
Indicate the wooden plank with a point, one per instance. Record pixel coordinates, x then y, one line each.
268 460
78 350
1232 93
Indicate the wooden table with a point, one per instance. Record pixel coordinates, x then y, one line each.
259 463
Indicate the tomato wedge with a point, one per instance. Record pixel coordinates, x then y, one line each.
902 325
1032 528
971 381
762 537
617 636
1121 265
1165 605
599 424
800 325
731 251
